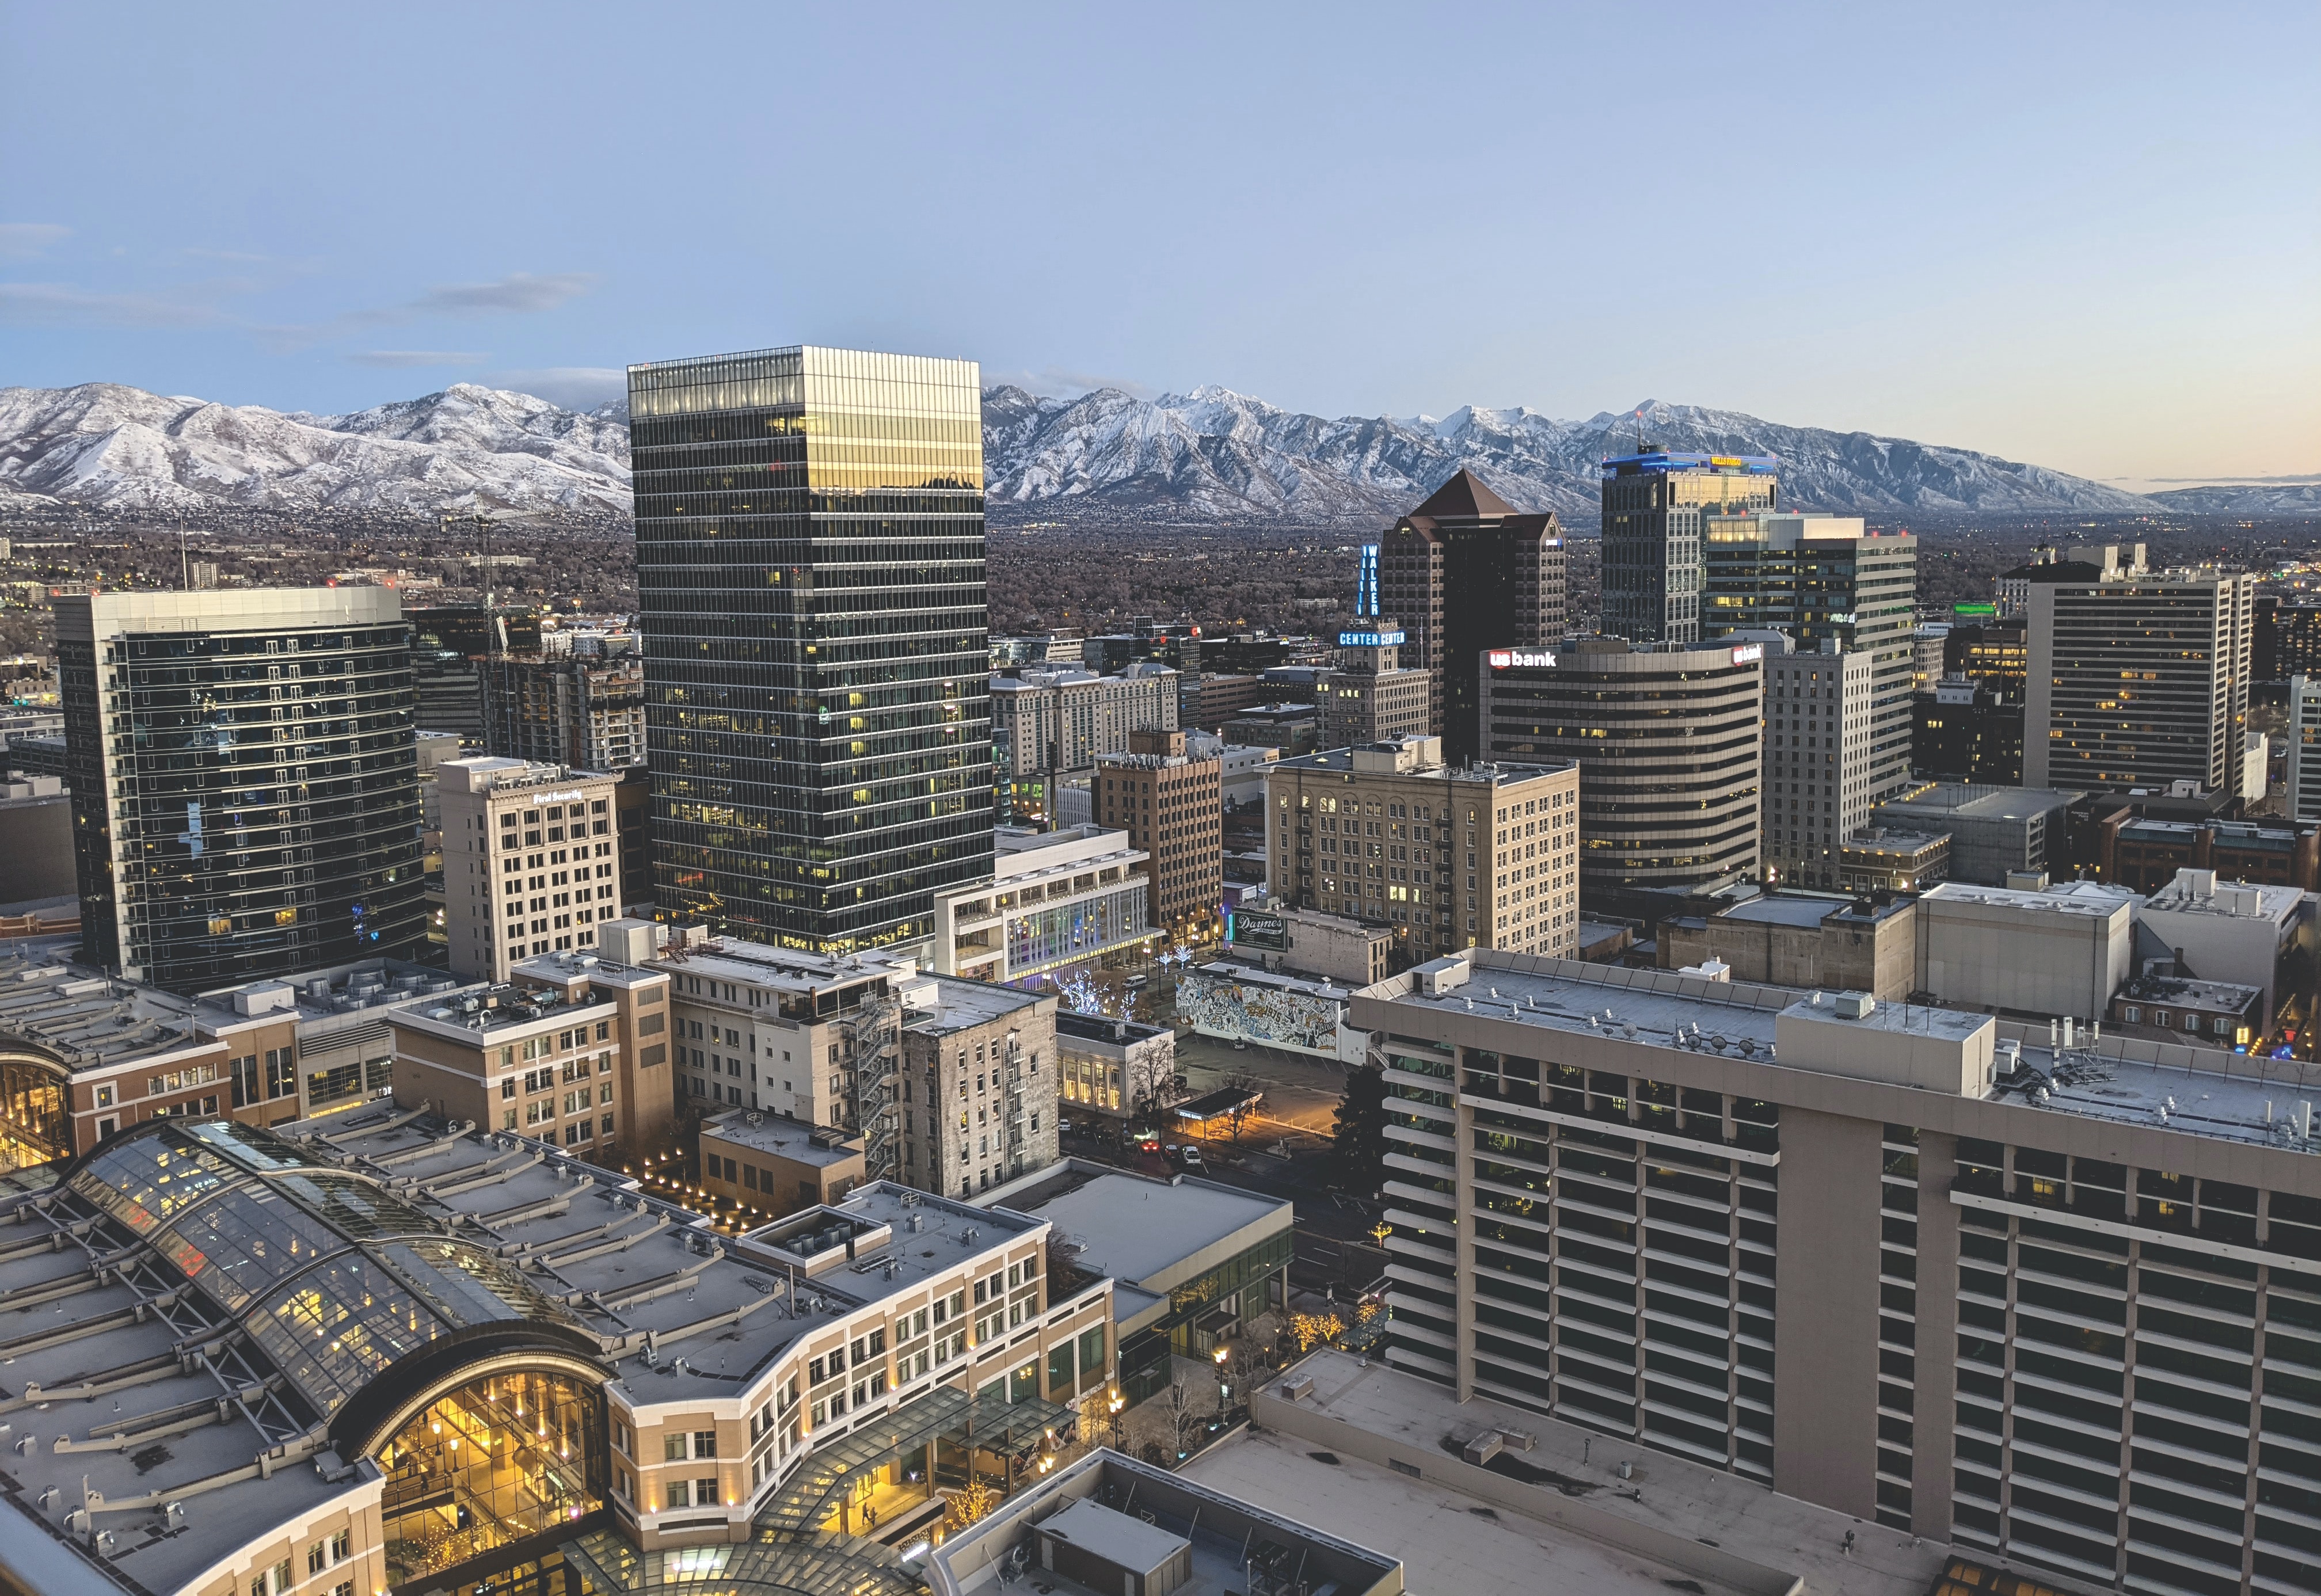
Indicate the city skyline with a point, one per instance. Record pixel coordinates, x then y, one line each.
1910 280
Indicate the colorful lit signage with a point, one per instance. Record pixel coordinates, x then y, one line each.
1537 659
1975 611
1369 639
1251 928
1748 653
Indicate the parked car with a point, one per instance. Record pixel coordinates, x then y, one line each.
1139 979
1191 1156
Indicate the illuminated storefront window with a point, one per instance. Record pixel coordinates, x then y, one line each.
506 1457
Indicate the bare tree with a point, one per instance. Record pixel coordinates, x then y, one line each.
1189 1407
1152 1087
1253 1090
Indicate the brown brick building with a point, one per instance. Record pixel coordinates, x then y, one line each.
1172 806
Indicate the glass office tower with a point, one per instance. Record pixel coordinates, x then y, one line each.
810 570
1654 504
245 786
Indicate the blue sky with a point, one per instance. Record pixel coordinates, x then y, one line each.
2085 236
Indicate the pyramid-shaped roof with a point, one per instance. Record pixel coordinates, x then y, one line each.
1463 497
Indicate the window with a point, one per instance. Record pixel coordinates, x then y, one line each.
680 1494
705 1443
672 1446
704 1492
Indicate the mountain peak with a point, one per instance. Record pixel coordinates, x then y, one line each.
1213 455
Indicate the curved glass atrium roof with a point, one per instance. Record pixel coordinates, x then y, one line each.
331 1273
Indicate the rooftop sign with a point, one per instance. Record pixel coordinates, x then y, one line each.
1537 658
1369 639
1748 653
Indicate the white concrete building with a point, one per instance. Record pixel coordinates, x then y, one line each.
2223 930
1056 898
2140 681
2062 951
1049 720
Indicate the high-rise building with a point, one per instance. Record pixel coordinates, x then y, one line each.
1372 696
1045 723
530 861
810 574
1827 582
2103 562
2139 681
1465 572
2048 1296
1667 742
450 644
2305 747
1171 804
1821 717
1656 504
1452 856
2288 640
1963 732
584 711
245 787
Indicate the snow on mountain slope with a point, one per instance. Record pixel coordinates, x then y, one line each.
465 448
1211 455
1222 454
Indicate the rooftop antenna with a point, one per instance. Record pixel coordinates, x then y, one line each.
1640 429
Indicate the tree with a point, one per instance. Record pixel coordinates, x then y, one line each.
1357 1152
970 1502
1312 1328
1152 1083
1241 1080
1186 1411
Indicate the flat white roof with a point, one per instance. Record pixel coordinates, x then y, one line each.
2077 897
1134 1227
1446 1544
1115 1537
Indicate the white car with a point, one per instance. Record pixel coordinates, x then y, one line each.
1191 1156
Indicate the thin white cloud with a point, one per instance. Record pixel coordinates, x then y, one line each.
409 357
574 387
22 240
519 291
61 304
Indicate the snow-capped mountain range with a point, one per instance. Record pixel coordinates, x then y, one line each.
1212 455
465 448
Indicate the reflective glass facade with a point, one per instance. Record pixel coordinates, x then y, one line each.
245 785
506 1457
332 1277
810 564
1058 935
33 1128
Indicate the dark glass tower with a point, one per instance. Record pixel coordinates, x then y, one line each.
1654 505
245 785
1465 572
810 571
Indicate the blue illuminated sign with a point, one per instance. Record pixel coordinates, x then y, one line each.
1369 639
1365 582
